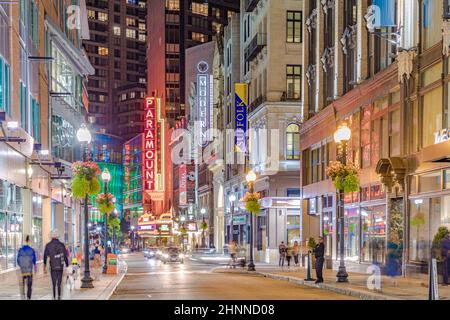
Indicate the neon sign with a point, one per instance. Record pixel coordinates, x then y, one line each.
149 159
204 102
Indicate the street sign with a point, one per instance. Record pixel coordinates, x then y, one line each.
239 219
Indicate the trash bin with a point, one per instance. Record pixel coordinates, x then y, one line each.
112 264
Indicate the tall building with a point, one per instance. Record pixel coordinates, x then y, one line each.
174 26
117 50
42 103
264 45
386 77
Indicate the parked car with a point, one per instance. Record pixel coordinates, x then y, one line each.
172 254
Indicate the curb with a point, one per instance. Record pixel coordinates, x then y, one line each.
108 292
363 295
344 291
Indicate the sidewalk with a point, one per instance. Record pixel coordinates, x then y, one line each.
406 288
42 288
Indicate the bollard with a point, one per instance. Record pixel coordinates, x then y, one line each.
433 291
308 269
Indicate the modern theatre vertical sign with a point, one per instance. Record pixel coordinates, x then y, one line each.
240 107
205 100
149 157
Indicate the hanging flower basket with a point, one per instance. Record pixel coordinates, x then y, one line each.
203 226
345 177
85 181
183 231
105 203
252 202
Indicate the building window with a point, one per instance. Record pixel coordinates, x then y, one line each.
116 30
142 37
102 16
102 51
200 8
173 5
5 86
294 27
131 22
432 12
431 115
130 33
293 142
200 37
293 81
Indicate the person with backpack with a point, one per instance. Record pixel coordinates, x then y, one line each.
282 252
56 251
26 260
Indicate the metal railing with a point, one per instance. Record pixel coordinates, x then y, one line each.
255 46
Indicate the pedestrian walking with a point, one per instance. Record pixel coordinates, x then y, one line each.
97 263
319 253
57 253
79 255
296 252
232 250
288 255
26 260
282 252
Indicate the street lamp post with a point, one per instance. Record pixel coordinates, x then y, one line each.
106 177
84 137
203 211
132 238
232 198
341 137
251 178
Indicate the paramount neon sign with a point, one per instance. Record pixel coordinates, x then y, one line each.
149 158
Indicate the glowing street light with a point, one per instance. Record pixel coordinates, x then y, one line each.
341 137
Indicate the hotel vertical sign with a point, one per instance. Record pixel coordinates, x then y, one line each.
149 158
240 107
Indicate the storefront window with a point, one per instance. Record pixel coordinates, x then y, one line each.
373 235
36 227
3 245
328 232
293 227
430 182
419 234
351 234
14 236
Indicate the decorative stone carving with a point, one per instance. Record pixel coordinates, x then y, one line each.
327 59
392 172
327 4
311 21
348 39
446 37
405 62
311 74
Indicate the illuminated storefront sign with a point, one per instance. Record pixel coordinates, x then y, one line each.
149 158
183 184
204 102
146 225
241 102
441 136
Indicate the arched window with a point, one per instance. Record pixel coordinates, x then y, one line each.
293 142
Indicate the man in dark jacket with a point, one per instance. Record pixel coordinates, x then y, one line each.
319 253
26 260
445 246
56 251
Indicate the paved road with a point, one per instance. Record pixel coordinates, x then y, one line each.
150 279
